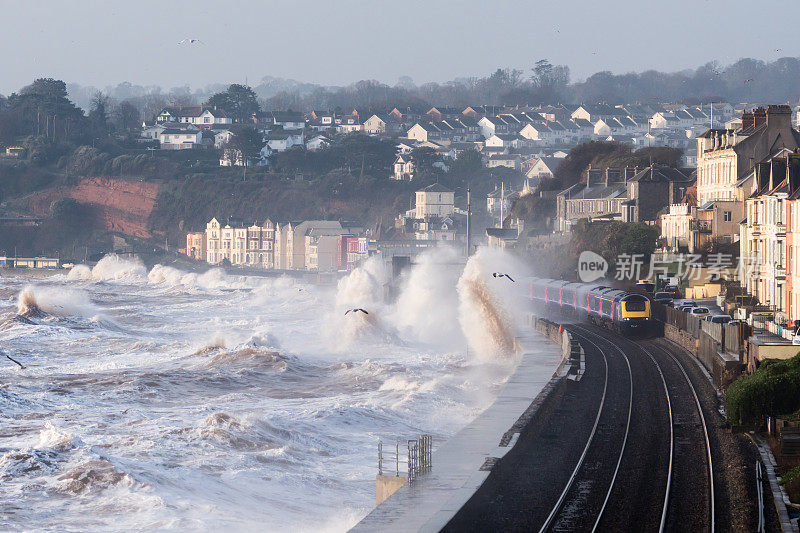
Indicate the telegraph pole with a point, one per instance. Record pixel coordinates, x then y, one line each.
469 215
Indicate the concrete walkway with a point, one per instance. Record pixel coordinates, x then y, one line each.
434 498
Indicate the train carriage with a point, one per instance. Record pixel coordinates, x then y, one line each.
621 311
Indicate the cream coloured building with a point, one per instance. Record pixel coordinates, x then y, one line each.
435 201
244 246
717 164
675 226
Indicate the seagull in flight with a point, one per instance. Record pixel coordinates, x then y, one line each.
499 275
356 311
12 359
190 41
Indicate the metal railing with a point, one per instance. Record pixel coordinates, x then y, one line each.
417 458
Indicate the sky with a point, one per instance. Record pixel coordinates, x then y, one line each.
337 42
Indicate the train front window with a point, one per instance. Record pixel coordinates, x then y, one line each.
635 304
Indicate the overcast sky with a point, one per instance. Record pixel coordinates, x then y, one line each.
336 42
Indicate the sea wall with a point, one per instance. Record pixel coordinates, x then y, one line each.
468 461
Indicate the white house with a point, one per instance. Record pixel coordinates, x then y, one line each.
595 112
152 132
608 126
349 124
288 120
430 132
665 120
503 160
201 116
403 168
492 125
278 141
180 139
317 142
221 137
434 201
543 168
500 142
538 131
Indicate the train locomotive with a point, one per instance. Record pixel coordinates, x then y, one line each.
624 312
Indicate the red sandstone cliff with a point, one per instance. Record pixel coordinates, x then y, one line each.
122 206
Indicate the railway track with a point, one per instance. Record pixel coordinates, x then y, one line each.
630 447
579 506
687 497
693 495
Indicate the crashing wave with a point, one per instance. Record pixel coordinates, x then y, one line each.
110 268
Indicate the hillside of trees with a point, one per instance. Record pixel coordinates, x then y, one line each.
746 80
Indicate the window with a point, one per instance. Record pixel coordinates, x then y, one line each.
726 216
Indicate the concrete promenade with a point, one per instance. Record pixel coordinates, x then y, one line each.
434 498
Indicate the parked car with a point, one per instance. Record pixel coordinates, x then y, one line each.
685 306
663 298
737 321
673 290
699 311
719 319
646 286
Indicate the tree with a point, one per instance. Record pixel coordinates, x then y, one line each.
245 145
238 101
68 212
773 390
44 109
98 115
467 164
424 159
569 171
126 116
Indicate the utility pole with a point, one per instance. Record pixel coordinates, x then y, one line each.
469 215
502 200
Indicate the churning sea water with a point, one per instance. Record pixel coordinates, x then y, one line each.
167 400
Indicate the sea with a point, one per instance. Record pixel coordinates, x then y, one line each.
156 399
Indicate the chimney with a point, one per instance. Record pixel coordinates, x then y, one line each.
779 116
759 116
748 120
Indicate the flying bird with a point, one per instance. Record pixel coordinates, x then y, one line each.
356 311
748 80
190 41
499 275
14 360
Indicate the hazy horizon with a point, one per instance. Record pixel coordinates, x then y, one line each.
338 44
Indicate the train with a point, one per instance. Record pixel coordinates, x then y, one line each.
626 313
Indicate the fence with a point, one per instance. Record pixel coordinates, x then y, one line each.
693 325
418 458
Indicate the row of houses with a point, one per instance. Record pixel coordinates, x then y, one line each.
744 197
318 245
327 245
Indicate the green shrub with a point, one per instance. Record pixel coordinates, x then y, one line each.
773 390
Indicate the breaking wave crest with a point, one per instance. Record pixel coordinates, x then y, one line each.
33 302
110 268
250 356
243 434
490 308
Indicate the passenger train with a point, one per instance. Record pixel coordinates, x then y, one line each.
624 312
